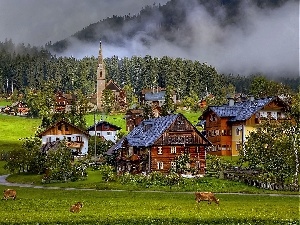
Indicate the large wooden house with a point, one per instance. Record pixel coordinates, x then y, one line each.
76 138
228 126
105 130
156 144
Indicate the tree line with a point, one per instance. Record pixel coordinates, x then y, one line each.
25 67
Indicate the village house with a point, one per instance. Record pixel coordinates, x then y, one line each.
133 118
76 138
228 126
105 130
155 98
156 144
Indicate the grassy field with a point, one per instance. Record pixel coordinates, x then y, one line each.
49 206
12 128
132 205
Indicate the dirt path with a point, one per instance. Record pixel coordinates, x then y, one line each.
4 182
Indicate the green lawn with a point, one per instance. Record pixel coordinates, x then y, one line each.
12 128
39 206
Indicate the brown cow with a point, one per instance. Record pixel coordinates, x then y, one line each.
76 207
9 193
206 196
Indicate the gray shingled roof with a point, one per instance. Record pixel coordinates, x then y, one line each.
242 110
156 96
146 133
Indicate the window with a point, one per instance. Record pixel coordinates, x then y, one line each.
180 125
109 133
238 131
130 151
160 165
79 138
59 127
238 147
69 138
66 127
186 150
173 166
48 139
159 151
173 149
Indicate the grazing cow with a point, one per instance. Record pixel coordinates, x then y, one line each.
9 193
76 207
206 196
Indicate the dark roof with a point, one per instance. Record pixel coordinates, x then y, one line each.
50 145
116 146
91 128
156 96
147 132
241 110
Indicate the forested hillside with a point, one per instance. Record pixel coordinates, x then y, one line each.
24 68
155 22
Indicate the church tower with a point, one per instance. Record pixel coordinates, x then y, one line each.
100 78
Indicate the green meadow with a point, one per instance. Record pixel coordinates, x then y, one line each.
12 128
51 206
114 203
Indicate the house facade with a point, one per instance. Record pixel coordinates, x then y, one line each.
133 118
156 144
76 138
104 129
228 126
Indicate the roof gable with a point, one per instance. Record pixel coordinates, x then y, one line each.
112 86
60 122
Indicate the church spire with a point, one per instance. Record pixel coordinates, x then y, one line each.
100 59
101 83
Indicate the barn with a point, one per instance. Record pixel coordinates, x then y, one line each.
157 145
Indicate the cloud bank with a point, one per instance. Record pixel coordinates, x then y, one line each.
266 41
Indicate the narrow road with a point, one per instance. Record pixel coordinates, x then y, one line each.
4 182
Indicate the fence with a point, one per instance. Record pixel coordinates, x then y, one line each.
252 178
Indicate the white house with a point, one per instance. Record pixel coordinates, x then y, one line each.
76 138
104 129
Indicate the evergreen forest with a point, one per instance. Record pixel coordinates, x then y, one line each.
24 68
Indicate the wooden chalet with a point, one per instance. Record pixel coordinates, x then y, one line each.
133 118
105 130
228 126
76 138
156 144
63 102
